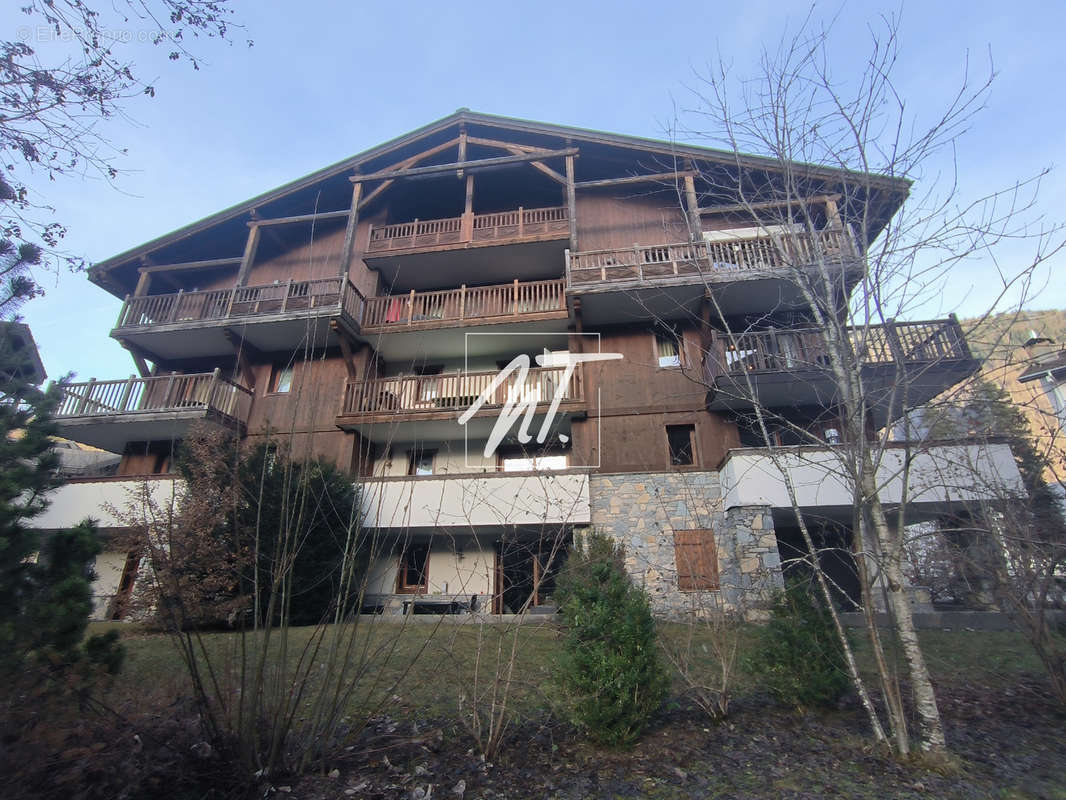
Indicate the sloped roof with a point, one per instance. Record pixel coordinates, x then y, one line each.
535 132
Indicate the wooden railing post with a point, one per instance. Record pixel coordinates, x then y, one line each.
411 308
177 306
521 222
212 386
638 261
80 409
126 390
123 311
894 344
288 291
168 401
414 232
462 301
514 310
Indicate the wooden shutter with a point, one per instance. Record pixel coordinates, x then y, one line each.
697 560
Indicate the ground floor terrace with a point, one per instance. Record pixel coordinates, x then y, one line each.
494 542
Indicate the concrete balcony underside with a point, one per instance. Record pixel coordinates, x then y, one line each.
490 501
942 478
105 500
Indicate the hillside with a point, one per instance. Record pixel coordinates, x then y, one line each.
1000 337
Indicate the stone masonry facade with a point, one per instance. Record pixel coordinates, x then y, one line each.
642 510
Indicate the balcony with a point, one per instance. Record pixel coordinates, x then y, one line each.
423 254
902 365
463 501
669 280
528 301
939 475
505 227
437 401
271 317
109 414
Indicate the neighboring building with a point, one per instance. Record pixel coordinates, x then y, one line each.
360 310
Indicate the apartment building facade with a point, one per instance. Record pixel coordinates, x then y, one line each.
385 312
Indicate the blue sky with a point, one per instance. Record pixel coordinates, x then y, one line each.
328 79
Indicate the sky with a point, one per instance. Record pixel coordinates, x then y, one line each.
325 80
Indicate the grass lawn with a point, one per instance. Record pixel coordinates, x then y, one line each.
1006 733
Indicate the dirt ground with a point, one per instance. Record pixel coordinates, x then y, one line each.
1006 742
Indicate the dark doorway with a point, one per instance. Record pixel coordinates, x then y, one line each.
834 545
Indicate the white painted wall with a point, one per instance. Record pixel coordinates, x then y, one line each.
72 503
940 474
449 572
496 499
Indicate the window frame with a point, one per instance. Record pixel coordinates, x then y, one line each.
693 452
671 336
700 573
414 457
278 373
404 567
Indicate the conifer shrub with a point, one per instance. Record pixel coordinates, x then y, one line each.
609 668
798 657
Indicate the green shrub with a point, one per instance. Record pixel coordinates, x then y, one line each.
798 657
609 667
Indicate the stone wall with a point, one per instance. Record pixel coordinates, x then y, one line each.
642 510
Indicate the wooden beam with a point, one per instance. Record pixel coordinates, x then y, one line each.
822 198
208 264
299 218
571 202
249 254
346 352
551 173
242 350
140 357
374 194
477 164
350 231
412 160
654 178
518 150
524 148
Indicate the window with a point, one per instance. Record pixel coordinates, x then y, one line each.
667 351
281 378
520 462
429 387
697 560
831 436
420 462
413 577
680 439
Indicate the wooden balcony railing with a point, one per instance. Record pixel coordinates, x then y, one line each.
323 294
504 225
207 391
414 394
799 349
649 263
466 304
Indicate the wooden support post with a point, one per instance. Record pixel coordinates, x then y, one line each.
462 150
346 352
832 213
250 246
350 232
571 203
692 206
467 232
144 282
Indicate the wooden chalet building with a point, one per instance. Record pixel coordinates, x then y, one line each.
358 311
